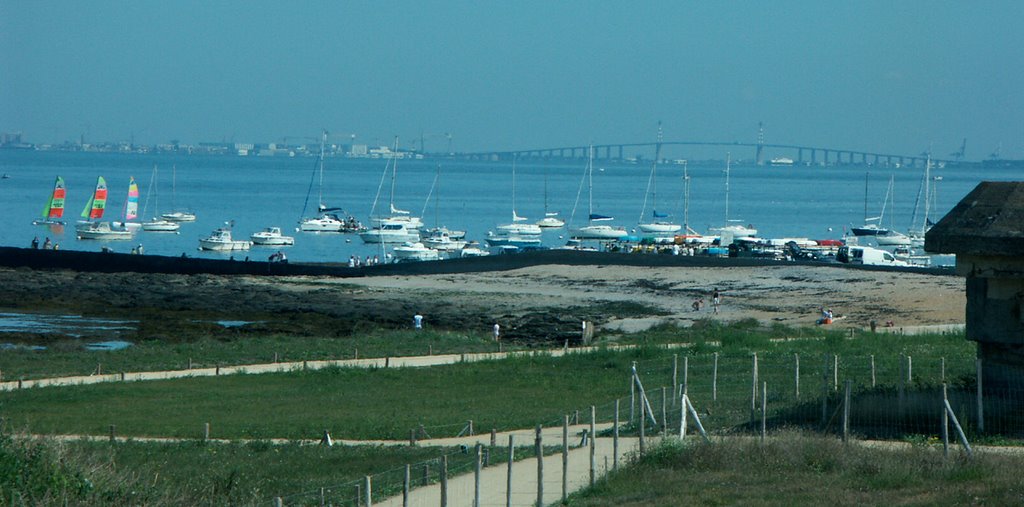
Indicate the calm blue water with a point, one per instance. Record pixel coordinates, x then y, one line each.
258 192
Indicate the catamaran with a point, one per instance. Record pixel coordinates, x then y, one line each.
109 230
54 209
595 231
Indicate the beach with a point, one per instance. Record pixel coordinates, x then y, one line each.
544 303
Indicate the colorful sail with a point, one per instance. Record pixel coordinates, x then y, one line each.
55 205
131 206
98 202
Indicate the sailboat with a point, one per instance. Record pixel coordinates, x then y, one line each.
892 237
737 230
927 189
94 208
327 219
550 220
54 209
177 215
658 226
157 224
592 230
113 230
439 237
398 226
872 225
515 234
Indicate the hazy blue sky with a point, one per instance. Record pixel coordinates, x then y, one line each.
894 76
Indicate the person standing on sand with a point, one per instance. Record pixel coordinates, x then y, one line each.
417 321
716 299
35 243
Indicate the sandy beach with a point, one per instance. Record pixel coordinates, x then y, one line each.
528 302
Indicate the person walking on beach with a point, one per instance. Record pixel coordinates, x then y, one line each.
35 243
716 299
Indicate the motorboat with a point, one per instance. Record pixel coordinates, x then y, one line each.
220 241
502 239
453 234
411 251
390 232
271 236
160 225
440 239
102 231
179 216
551 221
519 228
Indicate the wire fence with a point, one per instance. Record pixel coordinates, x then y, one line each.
885 396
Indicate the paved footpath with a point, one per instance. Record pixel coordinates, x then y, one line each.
494 479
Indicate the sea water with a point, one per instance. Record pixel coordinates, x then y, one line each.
257 192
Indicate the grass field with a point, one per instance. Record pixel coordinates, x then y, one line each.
795 469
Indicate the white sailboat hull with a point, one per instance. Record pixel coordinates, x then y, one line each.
103 231
660 228
600 232
158 225
550 223
179 216
414 252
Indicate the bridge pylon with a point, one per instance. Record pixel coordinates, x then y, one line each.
760 144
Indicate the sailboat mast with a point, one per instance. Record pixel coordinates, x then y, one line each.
686 200
514 216
590 183
654 167
927 193
394 175
728 161
320 191
866 174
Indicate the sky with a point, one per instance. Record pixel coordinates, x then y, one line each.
893 77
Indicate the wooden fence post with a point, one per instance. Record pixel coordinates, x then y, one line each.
368 492
593 443
664 410
565 458
796 374
494 437
835 372
508 484
406 485
764 410
615 438
539 449
872 371
979 398
846 411
942 369
632 395
910 369
206 431
675 375
113 432
444 481
714 380
476 474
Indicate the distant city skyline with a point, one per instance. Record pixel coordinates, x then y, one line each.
875 76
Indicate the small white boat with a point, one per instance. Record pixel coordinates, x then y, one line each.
599 232
103 231
271 236
894 238
501 239
661 228
160 225
179 216
519 228
414 252
220 241
390 232
326 222
551 221
440 239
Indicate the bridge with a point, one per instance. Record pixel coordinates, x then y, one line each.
800 155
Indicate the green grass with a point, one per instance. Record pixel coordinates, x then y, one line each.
68 357
194 473
795 470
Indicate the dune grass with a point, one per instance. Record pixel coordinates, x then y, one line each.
796 469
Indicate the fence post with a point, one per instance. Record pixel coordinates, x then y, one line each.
835 372
675 375
686 374
632 395
444 481
278 502
664 410
615 438
714 380
426 474
945 423
764 410
593 443
323 497
113 432
942 369
470 426
872 371
979 398
359 495
206 432
539 449
508 484
494 437
643 426
368 492
565 458
846 411
406 485
190 363
910 369
824 393
796 374
476 475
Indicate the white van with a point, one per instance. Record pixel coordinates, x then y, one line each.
868 256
